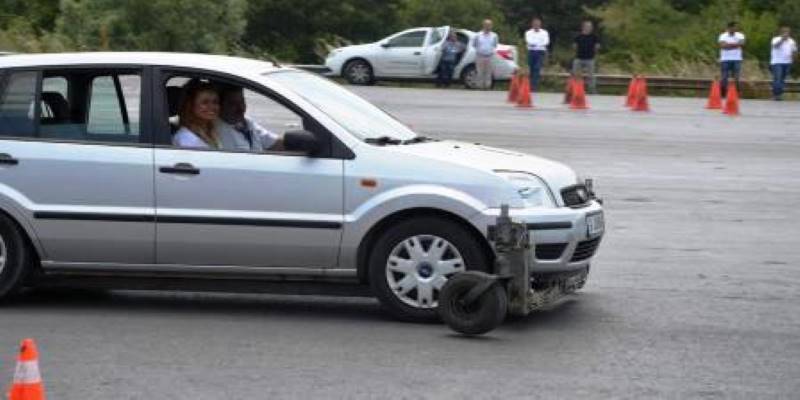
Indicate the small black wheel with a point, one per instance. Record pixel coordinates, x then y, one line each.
15 258
484 314
358 72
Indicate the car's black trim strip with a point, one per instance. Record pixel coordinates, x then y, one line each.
549 226
284 223
80 216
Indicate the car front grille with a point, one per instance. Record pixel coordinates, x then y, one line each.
576 196
585 249
550 251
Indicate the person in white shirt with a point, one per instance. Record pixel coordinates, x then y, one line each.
199 110
537 40
485 44
237 131
784 49
731 43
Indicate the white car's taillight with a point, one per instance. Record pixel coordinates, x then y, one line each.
506 53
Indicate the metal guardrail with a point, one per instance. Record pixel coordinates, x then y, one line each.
655 82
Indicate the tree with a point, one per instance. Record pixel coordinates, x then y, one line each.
204 26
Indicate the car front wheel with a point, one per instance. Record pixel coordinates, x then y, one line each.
411 262
358 72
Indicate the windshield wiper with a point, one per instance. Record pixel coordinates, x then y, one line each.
419 139
383 140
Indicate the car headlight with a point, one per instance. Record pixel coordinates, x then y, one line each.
531 189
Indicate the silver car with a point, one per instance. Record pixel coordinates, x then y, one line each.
91 184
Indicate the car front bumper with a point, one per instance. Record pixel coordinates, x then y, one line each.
561 235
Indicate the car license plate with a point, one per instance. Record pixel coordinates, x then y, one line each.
595 224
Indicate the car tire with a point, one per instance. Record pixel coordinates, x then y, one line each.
15 258
469 76
358 72
410 262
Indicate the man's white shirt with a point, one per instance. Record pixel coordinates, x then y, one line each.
261 139
537 40
731 54
783 54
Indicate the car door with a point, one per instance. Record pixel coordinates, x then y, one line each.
77 158
402 54
243 209
432 53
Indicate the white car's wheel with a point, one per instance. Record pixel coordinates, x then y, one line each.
358 72
411 262
470 77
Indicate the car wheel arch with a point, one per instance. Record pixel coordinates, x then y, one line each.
27 236
379 228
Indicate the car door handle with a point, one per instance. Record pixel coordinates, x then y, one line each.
417 53
8 160
180 168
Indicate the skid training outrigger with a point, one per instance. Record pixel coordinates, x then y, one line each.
474 302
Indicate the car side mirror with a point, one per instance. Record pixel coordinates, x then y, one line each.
301 141
385 44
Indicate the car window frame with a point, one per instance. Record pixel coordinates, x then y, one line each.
426 31
335 148
145 106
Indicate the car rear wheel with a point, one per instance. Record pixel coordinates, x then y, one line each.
411 262
15 258
470 77
358 72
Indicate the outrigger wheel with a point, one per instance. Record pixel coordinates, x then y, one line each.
473 302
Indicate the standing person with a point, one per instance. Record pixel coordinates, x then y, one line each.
450 51
730 43
783 51
537 40
587 44
485 44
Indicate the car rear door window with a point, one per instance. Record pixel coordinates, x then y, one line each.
114 107
17 105
104 107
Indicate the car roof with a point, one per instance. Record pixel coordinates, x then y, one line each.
226 64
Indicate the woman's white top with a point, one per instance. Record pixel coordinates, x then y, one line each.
184 137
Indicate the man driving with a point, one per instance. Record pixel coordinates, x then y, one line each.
237 132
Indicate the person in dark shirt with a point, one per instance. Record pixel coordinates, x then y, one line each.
586 46
450 52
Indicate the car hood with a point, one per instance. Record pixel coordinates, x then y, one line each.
355 47
489 159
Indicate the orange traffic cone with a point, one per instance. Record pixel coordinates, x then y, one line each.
732 101
633 87
524 95
27 383
568 90
640 102
715 96
513 89
578 101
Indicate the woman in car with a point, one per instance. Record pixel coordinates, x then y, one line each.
199 110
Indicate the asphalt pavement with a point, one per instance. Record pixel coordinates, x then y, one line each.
695 292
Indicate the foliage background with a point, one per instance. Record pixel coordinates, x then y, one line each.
671 37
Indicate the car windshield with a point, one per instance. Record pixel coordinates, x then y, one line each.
361 118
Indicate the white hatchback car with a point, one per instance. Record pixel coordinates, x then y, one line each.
414 54
91 183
